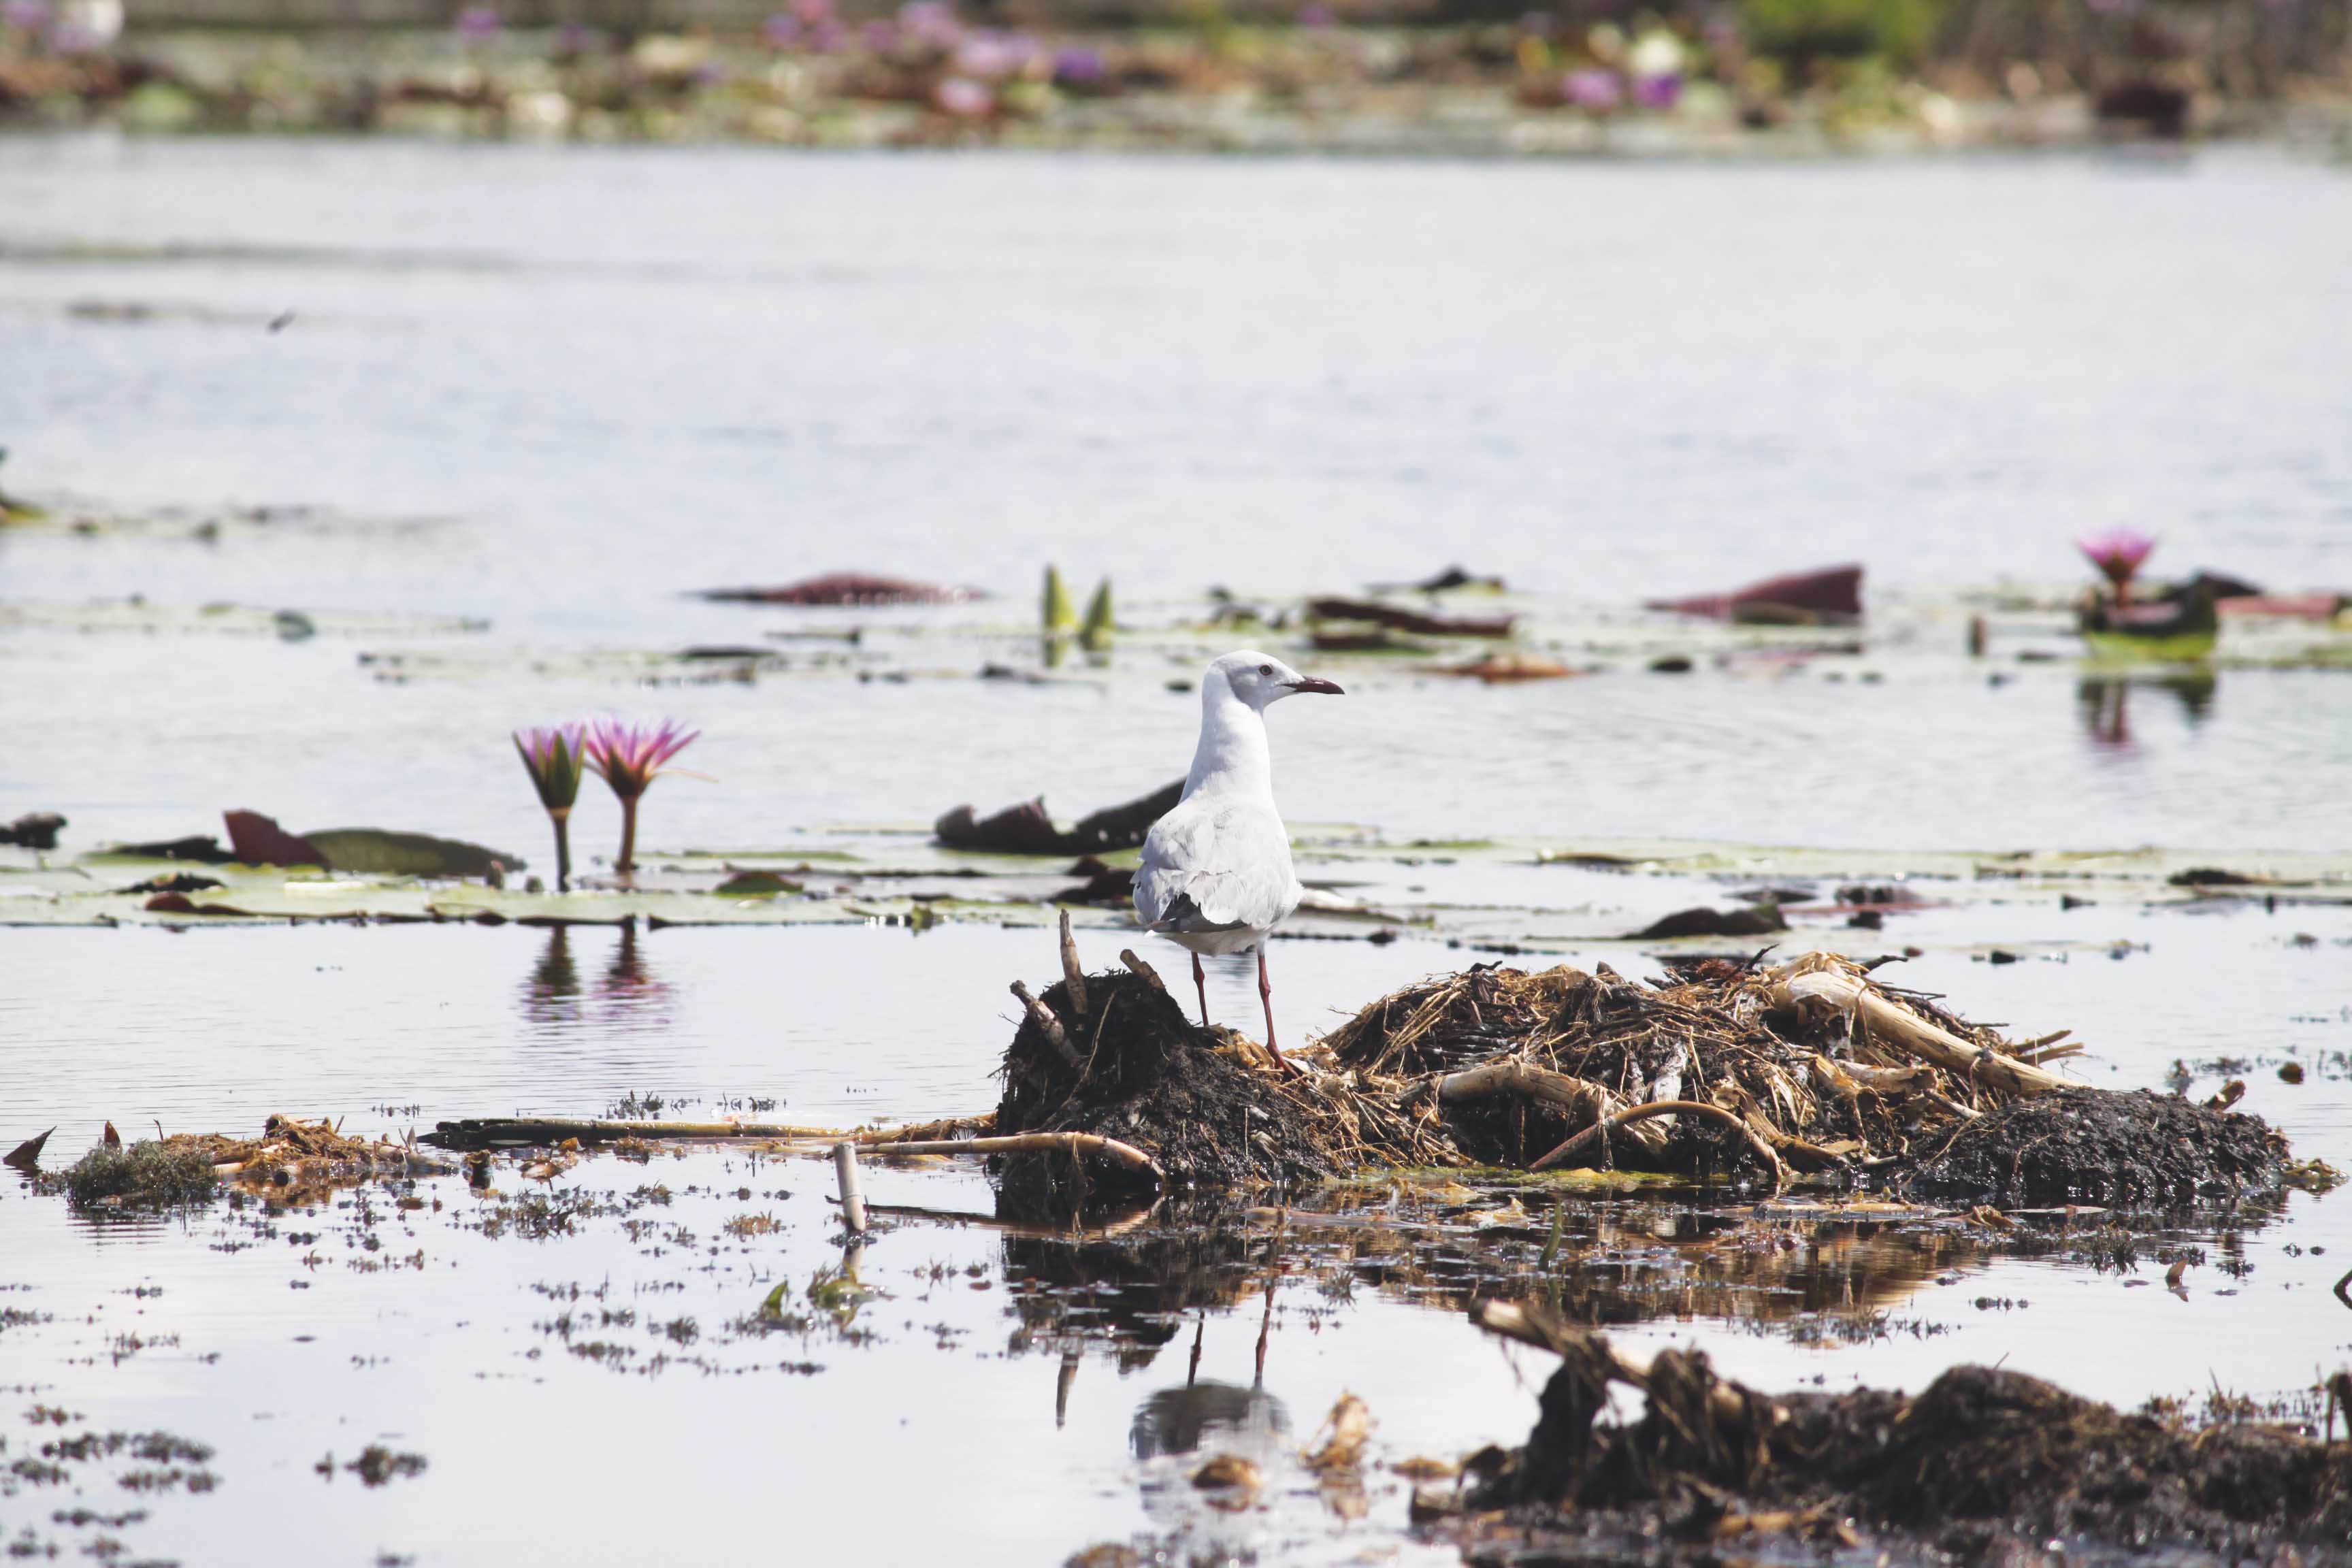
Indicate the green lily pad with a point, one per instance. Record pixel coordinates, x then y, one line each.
378 852
756 884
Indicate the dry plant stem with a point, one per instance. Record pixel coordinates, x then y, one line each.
516 1132
1047 1025
1888 1024
1592 1135
1074 978
852 1193
1073 1143
1141 970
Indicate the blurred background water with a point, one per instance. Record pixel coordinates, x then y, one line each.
557 388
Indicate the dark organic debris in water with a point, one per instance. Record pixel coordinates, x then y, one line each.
27 1156
292 1159
1808 1068
1104 885
178 882
2087 1145
1022 829
34 830
1414 623
1983 1463
200 848
377 1463
844 588
178 903
1831 597
1445 582
1027 829
1756 919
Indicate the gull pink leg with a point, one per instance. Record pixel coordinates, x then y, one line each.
1201 984
1266 997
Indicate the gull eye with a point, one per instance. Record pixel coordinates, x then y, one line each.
1265 669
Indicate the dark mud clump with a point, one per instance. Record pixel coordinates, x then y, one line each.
2087 1145
1983 1465
1197 1100
146 1174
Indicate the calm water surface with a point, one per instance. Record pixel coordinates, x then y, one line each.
555 389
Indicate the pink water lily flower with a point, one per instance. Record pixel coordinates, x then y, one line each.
2117 553
629 757
553 754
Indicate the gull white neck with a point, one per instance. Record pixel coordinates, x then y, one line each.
1233 757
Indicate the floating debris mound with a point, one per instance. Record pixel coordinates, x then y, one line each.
295 1159
1808 1068
1982 1465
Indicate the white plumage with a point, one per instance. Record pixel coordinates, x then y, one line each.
1215 875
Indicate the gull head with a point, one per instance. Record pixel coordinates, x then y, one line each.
1259 679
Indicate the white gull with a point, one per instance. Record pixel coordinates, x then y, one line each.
1216 874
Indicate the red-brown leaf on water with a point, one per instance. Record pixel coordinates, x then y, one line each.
257 840
845 588
1831 597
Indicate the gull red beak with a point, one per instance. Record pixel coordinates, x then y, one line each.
1313 683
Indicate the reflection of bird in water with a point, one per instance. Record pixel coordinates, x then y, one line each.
1220 1416
1216 876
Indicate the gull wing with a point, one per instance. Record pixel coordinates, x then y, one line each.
1212 867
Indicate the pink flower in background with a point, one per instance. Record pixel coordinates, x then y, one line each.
478 21
990 56
1316 17
629 757
930 22
2117 553
964 99
1595 91
813 13
553 754
779 31
25 15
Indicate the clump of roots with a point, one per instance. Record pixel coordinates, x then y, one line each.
1981 1458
